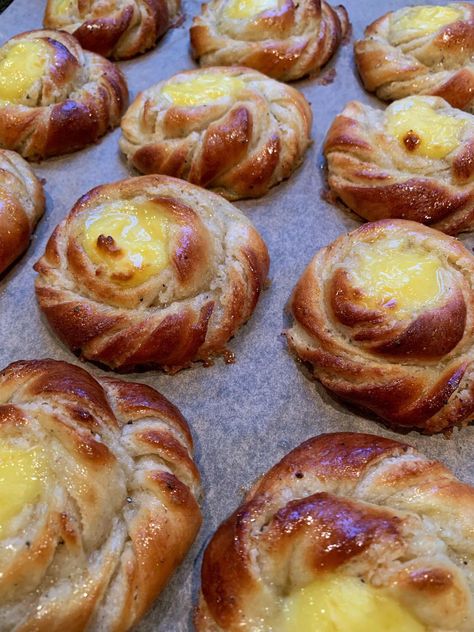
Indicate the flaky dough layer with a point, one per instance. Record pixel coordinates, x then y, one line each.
239 145
377 178
79 98
413 369
118 29
21 205
218 266
285 43
440 64
358 505
117 510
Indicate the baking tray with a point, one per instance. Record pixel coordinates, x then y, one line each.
247 415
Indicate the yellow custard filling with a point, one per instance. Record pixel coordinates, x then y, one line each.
129 239
243 9
396 277
422 130
202 89
23 65
345 604
22 477
419 21
61 7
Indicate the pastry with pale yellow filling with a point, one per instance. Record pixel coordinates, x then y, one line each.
232 130
98 498
414 161
118 29
151 272
22 204
284 39
423 49
383 318
347 533
55 97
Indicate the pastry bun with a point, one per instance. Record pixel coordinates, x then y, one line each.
352 531
232 130
114 28
384 315
66 99
21 205
98 491
151 271
414 161
420 50
284 39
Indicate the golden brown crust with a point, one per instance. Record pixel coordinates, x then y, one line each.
375 177
21 205
117 513
413 369
188 311
77 101
439 64
238 146
118 29
285 43
355 504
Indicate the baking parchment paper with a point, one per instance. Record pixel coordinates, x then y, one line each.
244 416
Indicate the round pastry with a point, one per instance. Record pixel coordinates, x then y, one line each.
385 316
151 271
421 50
233 130
55 97
285 39
347 533
21 205
98 498
119 29
413 161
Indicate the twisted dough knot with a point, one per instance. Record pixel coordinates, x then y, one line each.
74 99
21 205
396 58
286 40
344 505
229 129
166 300
110 495
379 176
385 317
118 29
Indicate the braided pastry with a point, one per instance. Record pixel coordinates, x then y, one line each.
98 498
385 316
21 205
285 39
413 161
151 271
118 29
233 130
55 97
421 50
347 533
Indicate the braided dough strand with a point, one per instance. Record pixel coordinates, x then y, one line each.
21 206
188 311
117 510
440 63
118 29
78 99
413 368
377 177
349 504
286 43
239 145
